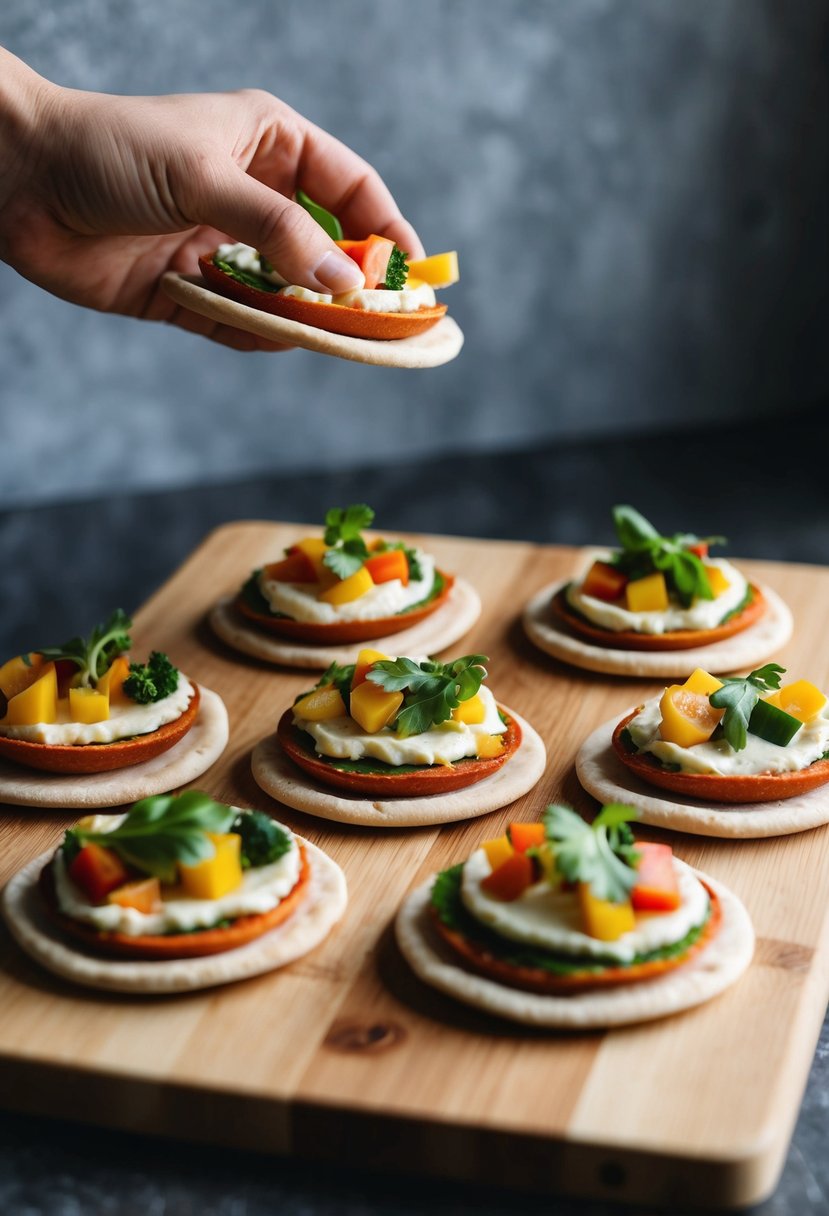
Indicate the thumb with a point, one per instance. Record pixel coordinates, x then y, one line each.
284 232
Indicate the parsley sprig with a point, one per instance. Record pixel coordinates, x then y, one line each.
343 531
94 654
397 271
602 854
644 551
738 697
432 689
161 831
151 681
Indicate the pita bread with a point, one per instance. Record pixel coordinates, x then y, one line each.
705 976
437 345
442 629
604 776
276 775
31 928
187 760
742 651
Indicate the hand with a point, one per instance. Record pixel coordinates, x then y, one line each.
99 195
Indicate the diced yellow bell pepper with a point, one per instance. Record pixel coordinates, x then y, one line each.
471 711
111 682
717 580
365 658
498 850
802 699
37 703
217 875
321 704
314 548
687 717
348 589
18 673
88 705
703 683
602 919
373 707
648 594
439 270
488 747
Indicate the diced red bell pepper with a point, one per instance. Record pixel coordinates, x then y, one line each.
700 550
657 889
97 871
389 565
604 582
372 256
511 879
295 568
65 670
525 836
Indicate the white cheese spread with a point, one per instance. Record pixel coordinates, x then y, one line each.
410 299
126 719
345 739
550 918
262 888
702 614
718 756
299 600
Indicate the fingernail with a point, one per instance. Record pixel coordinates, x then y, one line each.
338 272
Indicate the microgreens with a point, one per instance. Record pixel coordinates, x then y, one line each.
602 854
94 654
645 552
738 697
432 689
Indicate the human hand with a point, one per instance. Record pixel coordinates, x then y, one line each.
100 195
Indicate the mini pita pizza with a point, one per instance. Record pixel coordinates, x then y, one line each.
330 593
179 893
399 742
541 926
636 609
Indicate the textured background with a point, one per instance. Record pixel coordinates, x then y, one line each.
638 191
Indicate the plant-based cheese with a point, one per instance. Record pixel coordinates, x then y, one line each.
410 299
549 917
299 600
702 614
262 888
126 719
718 756
345 739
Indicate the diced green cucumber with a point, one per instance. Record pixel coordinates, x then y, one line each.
773 724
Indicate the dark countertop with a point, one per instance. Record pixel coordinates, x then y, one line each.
67 565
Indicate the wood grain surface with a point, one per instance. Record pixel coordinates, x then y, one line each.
346 1057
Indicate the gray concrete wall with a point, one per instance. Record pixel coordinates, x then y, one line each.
638 190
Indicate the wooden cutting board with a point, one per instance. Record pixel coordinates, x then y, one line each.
346 1057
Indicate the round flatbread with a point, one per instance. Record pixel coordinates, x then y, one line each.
705 976
744 650
34 932
188 759
603 775
277 776
437 345
437 632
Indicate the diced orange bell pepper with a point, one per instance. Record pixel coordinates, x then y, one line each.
321 704
112 681
346 590
38 702
438 270
315 549
384 567
497 850
144 895
603 919
526 836
487 747
295 568
97 871
716 581
372 707
688 718
471 712
366 658
802 699
372 256
511 879
702 682
18 673
648 594
88 705
657 888
604 582
217 875
700 549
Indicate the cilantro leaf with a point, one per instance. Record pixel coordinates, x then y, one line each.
738 697
94 654
644 551
343 532
432 689
338 675
347 558
601 854
161 831
397 271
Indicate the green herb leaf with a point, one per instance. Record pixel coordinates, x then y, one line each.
247 277
343 531
347 558
94 654
644 551
160 832
263 841
397 271
338 675
328 222
432 689
738 696
152 681
601 854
